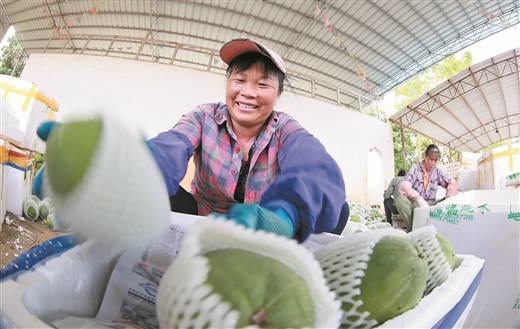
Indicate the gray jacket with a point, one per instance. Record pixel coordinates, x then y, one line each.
393 188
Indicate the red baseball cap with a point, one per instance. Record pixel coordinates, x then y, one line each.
239 46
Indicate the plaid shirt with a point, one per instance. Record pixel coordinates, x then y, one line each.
416 178
218 155
290 169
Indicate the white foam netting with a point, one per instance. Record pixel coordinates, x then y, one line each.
344 262
438 266
122 198
185 301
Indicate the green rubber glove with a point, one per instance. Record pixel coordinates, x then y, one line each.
260 218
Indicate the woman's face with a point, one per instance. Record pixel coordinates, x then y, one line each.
430 161
251 97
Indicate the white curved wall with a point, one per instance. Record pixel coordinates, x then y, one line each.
152 97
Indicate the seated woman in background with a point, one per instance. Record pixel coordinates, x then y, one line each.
419 185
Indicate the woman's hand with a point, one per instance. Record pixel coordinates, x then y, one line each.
260 218
422 203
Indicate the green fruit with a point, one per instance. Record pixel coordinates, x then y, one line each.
70 148
265 292
44 211
38 157
354 217
30 208
394 279
49 223
447 249
31 211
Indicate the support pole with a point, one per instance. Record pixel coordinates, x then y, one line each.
403 152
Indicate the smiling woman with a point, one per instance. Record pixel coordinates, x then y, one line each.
253 164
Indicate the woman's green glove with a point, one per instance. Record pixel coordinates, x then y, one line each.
259 218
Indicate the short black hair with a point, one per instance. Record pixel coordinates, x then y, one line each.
401 172
432 148
244 61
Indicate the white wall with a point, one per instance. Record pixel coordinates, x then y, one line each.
151 97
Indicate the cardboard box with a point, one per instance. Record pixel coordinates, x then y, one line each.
398 222
485 223
32 106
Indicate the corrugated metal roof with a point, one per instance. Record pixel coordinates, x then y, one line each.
475 109
327 45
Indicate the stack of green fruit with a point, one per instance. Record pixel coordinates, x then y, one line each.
380 274
227 276
363 218
34 208
38 161
439 253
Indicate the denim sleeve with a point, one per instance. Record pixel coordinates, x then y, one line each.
310 187
172 151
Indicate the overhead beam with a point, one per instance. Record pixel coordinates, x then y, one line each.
433 123
453 114
477 83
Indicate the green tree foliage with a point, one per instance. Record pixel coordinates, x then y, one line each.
501 143
405 94
13 58
421 83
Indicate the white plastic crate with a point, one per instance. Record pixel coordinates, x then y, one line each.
485 223
73 284
32 106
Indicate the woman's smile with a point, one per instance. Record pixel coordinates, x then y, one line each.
251 96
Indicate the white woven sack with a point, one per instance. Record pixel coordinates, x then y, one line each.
344 262
121 198
438 266
185 301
